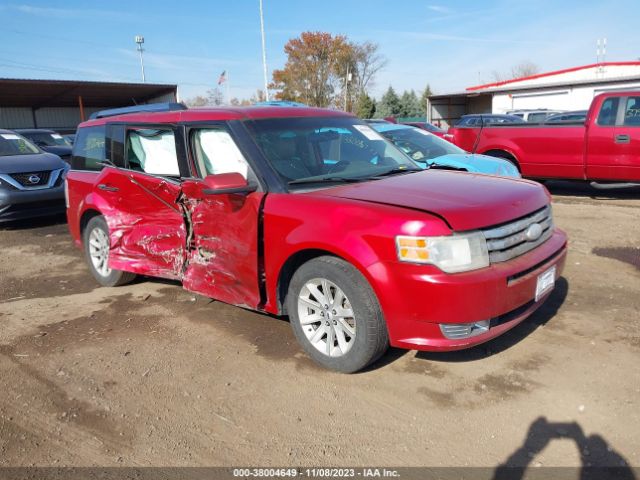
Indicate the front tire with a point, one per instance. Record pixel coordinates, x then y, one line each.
96 248
335 315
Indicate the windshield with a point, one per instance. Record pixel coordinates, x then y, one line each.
322 149
13 144
48 139
419 144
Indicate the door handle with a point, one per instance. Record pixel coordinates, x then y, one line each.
108 188
622 138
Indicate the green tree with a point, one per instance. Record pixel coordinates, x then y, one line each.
409 104
389 104
366 106
424 99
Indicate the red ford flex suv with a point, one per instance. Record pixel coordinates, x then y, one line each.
310 213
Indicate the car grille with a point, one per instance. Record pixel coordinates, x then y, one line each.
520 236
31 179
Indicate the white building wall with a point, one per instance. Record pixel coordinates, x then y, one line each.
606 72
574 98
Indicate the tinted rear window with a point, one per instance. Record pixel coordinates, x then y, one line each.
89 148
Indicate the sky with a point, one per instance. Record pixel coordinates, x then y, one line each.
449 45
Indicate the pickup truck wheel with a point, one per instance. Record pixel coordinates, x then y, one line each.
96 248
335 315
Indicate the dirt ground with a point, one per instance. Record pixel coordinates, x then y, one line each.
149 374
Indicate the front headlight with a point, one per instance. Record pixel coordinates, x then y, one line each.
451 254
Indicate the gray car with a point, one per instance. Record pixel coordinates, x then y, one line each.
31 181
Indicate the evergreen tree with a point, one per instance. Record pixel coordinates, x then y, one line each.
409 104
366 106
389 104
424 99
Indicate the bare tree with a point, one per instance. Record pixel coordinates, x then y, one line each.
523 69
367 62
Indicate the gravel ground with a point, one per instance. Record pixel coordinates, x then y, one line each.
149 374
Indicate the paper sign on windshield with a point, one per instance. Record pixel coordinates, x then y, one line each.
368 132
10 136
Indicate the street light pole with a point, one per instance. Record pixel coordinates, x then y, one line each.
139 39
264 55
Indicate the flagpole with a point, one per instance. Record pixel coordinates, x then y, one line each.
227 82
264 55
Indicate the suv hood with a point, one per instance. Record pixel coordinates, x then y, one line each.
38 162
465 201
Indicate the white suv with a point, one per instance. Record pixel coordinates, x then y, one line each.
534 116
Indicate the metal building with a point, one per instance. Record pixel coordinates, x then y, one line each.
62 104
568 89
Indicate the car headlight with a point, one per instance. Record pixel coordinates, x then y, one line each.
451 254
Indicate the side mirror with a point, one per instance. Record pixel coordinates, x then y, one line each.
222 183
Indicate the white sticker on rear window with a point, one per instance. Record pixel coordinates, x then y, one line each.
423 132
368 132
10 136
56 135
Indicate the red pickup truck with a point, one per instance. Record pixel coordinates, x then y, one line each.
603 149
312 214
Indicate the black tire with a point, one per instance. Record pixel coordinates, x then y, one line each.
371 338
116 277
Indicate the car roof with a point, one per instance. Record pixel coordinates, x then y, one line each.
34 130
468 115
217 114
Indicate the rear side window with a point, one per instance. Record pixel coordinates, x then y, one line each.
89 148
632 112
152 151
537 117
608 112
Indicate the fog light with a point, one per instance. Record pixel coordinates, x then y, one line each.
457 331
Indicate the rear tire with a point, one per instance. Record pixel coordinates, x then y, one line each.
335 315
96 242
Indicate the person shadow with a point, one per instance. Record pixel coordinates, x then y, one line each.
598 460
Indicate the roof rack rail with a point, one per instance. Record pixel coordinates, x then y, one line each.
146 108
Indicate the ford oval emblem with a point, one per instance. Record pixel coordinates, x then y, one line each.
533 232
33 179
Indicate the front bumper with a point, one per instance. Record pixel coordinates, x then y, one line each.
21 204
416 299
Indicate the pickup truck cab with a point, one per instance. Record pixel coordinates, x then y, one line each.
310 213
603 148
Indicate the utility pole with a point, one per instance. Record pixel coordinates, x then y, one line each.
264 55
347 79
139 39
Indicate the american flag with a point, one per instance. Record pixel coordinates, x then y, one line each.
223 77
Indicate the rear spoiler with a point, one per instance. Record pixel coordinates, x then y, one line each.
147 108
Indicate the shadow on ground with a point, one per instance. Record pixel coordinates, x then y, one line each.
599 461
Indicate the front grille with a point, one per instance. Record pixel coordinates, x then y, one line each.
32 179
520 236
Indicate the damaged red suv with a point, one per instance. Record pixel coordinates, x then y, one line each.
310 213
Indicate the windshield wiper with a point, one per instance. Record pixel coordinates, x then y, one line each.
395 171
327 180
